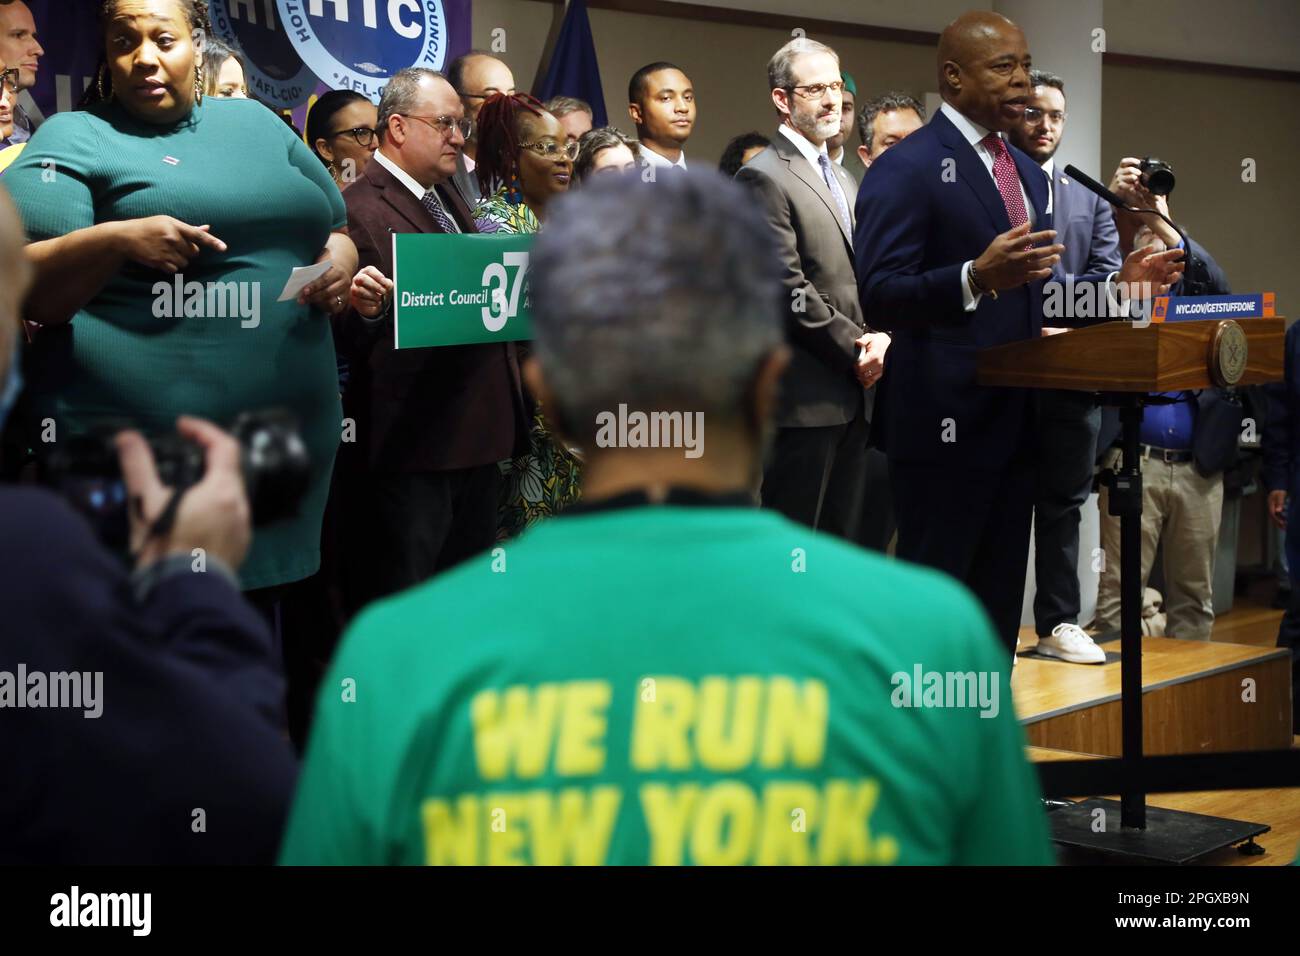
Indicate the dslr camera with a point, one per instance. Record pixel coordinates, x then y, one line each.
85 470
1156 175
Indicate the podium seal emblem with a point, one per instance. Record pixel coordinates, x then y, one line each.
1228 351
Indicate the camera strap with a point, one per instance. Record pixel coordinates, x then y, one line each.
166 520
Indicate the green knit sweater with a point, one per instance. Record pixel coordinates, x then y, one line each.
131 354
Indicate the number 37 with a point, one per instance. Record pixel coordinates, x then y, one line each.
496 278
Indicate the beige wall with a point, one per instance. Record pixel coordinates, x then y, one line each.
1248 227
727 64
1203 124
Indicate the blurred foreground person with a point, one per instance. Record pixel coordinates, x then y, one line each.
665 673
140 712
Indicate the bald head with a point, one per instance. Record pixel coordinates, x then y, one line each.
13 281
984 68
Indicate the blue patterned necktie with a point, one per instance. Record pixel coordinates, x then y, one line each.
834 185
434 205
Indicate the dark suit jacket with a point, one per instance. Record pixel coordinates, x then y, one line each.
466 184
1086 226
1281 443
192 702
927 206
819 387
421 410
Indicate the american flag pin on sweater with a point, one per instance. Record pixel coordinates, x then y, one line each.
171 161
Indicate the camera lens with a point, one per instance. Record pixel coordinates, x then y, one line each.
1157 176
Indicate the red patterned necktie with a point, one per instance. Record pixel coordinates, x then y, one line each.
1008 179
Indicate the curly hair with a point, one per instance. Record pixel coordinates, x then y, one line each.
497 160
195 13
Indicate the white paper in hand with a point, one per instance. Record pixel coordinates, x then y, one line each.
302 276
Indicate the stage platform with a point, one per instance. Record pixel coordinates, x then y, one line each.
1278 808
1198 697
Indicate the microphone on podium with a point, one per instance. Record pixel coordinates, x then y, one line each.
1090 184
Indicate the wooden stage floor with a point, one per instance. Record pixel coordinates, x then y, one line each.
1251 622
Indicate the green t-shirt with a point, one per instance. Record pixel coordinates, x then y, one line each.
669 685
143 352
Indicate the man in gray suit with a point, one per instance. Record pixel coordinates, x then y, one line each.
818 461
1068 422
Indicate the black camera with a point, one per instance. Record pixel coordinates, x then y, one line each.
1157 176
85 470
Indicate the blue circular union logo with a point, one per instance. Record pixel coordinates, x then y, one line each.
359 44
273 68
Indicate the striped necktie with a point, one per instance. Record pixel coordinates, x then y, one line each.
833 184
432 203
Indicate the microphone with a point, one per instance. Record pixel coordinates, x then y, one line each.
1090 184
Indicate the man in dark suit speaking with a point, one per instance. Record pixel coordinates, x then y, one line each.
422 483
818 463
953 243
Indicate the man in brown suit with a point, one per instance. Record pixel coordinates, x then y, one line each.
421 484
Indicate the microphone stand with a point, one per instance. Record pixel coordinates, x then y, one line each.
1176 837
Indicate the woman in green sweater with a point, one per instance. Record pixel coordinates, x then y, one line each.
163 226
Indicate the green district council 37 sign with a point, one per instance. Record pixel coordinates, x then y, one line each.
460 290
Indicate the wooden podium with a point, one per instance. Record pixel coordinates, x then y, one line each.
1125 362
1123 357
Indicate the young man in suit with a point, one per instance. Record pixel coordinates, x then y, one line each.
661 103
953 243
1068 421
818 462
431 424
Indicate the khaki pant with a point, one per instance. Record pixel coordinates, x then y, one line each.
1182 507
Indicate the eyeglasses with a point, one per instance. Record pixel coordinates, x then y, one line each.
549 148
815 91
444 124
1034 115
363 135
9 78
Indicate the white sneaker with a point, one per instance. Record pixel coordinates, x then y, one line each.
1069 642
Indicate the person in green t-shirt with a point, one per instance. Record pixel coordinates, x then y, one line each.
664 673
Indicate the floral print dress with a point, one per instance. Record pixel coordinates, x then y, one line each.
545 479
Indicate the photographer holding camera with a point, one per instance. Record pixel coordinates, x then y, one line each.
141 710
1187 438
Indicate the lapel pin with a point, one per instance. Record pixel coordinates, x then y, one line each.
171 161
